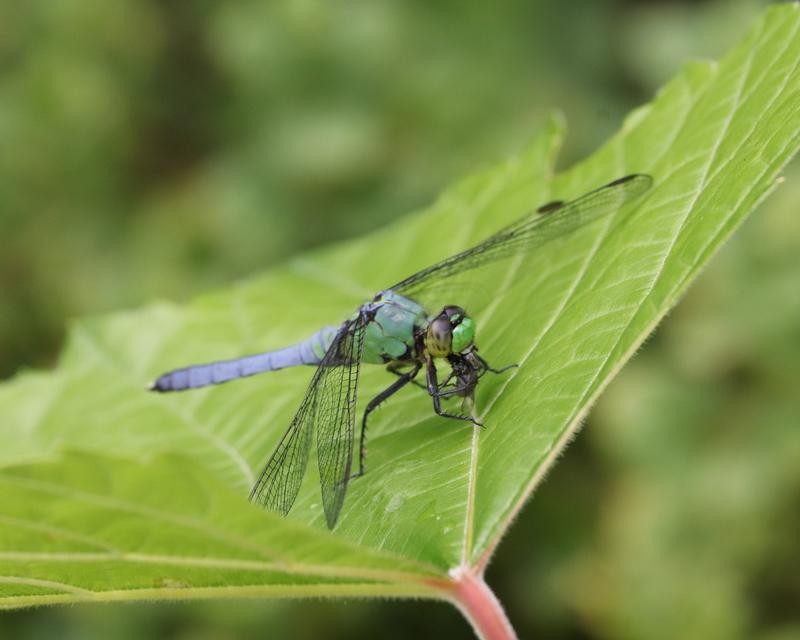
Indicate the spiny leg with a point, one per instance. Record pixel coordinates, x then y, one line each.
402 380
453 391
487 367
395 367
433 390
442 392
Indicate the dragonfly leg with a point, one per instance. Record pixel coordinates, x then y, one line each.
455 390
402 380
436 394
395 369
442 387
444 384
442 391
487 367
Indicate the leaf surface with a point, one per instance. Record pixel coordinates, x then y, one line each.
108 492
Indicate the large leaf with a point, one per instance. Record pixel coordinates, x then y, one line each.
108 492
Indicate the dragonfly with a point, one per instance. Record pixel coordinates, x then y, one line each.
395 329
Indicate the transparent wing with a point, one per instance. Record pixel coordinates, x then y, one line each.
336 420
329 404
546 223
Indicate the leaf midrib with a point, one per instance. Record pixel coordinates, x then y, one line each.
602 371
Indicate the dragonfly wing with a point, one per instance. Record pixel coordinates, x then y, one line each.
545 223
279 482
336 419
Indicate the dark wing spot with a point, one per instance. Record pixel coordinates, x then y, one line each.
550 206
623 179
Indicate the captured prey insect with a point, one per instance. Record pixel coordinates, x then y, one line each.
397 330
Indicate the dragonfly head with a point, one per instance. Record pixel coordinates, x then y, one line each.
452 331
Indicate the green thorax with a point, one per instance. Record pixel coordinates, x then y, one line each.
390 335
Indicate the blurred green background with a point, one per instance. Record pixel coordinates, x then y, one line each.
157 149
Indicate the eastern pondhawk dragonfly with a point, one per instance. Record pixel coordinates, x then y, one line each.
394 329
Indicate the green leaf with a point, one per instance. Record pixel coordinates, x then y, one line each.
108 492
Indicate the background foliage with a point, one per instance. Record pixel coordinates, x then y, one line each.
160 148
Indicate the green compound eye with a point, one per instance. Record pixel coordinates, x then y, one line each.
463 335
